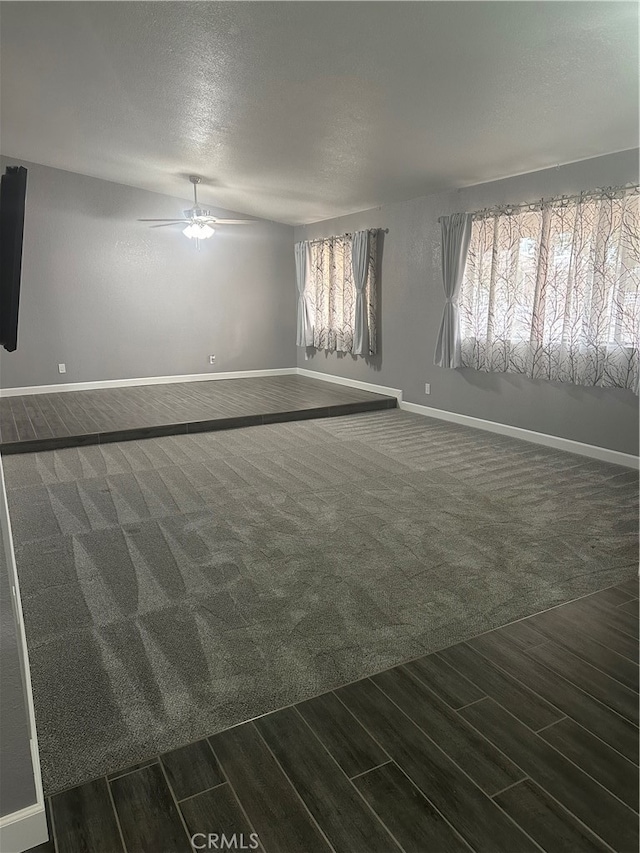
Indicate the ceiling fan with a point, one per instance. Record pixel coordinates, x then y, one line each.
199 221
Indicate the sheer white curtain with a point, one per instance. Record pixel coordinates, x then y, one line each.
333 297
553 290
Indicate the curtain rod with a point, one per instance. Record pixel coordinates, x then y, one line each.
348 234
605 192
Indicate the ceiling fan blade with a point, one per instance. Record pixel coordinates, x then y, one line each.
235 221
162 220
168 224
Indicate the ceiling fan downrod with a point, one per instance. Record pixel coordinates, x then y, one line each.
195 180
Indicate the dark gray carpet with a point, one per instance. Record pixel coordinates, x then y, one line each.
176 586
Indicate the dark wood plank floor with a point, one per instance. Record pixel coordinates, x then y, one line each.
50 421
522 739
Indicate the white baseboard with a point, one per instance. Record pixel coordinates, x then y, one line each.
604 454
353 383
593 451
147 380
23 830
26 828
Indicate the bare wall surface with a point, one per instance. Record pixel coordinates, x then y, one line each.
411 308
112 298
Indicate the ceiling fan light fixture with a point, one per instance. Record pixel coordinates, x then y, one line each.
199 231
198 221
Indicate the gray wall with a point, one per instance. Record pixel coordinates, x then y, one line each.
112 298
412 302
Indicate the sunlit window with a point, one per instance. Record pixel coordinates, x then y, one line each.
554 291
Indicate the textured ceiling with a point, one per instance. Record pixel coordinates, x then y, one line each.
303 111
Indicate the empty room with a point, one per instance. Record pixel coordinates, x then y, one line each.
319 380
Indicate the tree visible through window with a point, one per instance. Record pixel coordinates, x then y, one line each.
553 290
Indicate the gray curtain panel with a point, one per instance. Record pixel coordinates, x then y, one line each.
360 267
304 325
456 234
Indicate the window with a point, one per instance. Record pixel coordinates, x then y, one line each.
331 294
553 291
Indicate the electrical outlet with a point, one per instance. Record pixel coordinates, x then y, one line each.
62 368
212 359
427 388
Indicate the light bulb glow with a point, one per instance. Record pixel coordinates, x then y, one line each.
199 231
